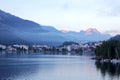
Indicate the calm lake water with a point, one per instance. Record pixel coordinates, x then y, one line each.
56 67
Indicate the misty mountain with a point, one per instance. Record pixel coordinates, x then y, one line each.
50 29
15 30
117 37
90 34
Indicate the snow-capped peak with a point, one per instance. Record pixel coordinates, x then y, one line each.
91 30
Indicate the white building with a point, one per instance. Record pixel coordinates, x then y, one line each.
2 46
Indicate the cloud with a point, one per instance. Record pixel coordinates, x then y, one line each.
112 32
109 8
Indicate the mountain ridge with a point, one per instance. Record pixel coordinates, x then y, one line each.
117 37
14 29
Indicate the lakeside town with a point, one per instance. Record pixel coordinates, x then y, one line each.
65 48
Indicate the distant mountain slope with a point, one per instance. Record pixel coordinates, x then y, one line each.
49 29
18 23
15 30
7 35
90 34
117 37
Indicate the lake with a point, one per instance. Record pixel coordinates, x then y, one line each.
56 67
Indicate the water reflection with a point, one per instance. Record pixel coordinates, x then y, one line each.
44 67
108 68
56 67
12 72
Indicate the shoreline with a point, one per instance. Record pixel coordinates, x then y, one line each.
106 60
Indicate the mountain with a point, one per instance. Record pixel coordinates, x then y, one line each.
90 34
91 31
117 37
17 23
64 31
50 29
15 30
94 35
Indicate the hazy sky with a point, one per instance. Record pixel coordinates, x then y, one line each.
72 15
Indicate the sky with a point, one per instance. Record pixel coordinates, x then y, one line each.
73 15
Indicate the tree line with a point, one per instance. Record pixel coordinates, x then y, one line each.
108 50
